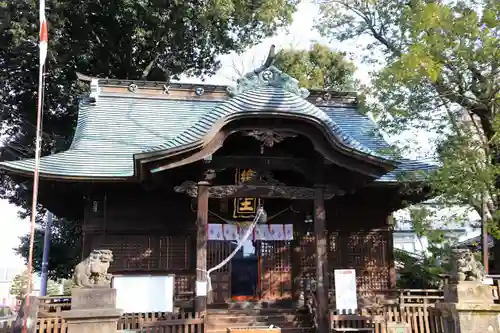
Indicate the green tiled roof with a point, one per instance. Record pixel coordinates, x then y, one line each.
262 100
116 127
109 133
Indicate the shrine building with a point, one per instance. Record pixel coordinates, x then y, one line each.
168 176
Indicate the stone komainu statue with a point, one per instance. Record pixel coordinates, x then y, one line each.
93 271
465 267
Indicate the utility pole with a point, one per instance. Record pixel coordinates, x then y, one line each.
45 258
484 235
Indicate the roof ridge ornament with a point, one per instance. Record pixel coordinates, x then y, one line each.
268 75
95 90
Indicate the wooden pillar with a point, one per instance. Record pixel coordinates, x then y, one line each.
321 259
201 248
297 295
392 264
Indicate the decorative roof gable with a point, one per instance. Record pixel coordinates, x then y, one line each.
268 77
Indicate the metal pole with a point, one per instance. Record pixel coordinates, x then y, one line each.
484 235
45 258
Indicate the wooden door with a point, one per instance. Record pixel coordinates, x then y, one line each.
275 270
217 251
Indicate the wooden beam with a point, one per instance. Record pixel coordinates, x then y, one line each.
201 248
260 191
261 163
322 276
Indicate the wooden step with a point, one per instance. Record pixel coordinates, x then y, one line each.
259 314
254 311
243 319
241 316
283 329
257 322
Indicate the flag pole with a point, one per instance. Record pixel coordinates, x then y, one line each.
38 145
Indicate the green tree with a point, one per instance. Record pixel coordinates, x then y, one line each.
440 72
154 40
68 284
19 286
53 288
417 272
319 67
65 250
422 270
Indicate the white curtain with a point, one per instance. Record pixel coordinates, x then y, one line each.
267 232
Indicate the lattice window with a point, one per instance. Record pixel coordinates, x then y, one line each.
175 252
367 253
184 283
374 279
276 269
308 255
334 251
130 252
367 249
217 251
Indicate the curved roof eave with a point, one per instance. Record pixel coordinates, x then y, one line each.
73 165
264 101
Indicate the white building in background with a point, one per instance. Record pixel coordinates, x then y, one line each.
409 241
7 275
457 225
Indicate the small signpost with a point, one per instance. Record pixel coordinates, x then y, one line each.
346 299
27 311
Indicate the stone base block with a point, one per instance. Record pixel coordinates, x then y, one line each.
93 298
470 317
468 292
92 320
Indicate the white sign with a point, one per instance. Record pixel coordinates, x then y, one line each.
144 293
345 290
201 288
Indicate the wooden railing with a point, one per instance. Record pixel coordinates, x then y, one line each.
53 306
133 321
376 323
191 323
161 322
413 307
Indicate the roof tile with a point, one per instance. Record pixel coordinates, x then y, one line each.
134 124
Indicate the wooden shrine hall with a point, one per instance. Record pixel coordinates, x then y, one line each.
169 176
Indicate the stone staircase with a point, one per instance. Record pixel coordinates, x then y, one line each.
249 314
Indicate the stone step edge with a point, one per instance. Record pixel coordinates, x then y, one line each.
282 328
219 317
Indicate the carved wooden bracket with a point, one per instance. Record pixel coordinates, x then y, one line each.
257 191
268 137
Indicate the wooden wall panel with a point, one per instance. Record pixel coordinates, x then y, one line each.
143 253
154 232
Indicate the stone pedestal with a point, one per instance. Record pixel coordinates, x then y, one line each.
468 308
92 311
